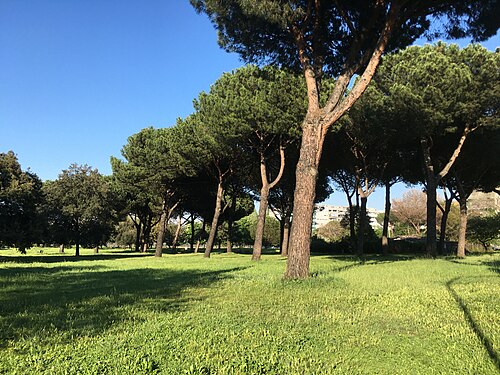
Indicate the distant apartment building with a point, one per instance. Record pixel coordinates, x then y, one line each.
324 213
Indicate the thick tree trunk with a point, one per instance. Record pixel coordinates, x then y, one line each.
286 235
177 232
161 230
462 228
361 227
215 221
261 222
61 249
306 174
387 212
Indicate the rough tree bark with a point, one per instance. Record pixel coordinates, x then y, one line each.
361 226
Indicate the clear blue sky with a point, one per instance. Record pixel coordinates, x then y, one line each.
77 77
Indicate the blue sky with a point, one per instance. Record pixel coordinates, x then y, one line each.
77 77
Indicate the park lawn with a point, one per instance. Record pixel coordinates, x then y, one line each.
121 313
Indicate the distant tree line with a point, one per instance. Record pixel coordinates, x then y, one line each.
430 117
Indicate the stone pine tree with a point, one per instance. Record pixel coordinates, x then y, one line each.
441 93
337 38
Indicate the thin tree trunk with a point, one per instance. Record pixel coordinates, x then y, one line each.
264 197
431 186
306 174
177 232
215 221
96 250
138 229
191 237
261 222
352 223
203 227
161 230
444 221
61 249
387 212
462 228
361 227
286 236
77 251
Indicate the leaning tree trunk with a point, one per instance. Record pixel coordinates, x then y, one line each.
215 221
361 227
177 232
200 234
306 175
387 212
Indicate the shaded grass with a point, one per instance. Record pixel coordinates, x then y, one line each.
228 315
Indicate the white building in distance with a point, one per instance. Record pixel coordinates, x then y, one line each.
324 213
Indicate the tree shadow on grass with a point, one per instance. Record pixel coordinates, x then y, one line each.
86 301
493 265
67 258
483 338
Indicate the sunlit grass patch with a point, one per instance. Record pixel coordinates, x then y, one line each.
228 315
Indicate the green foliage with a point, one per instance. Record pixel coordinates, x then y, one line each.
333 231
134 314
20 204
484 229
80 207
245 230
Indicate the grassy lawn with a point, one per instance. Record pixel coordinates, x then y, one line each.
121 313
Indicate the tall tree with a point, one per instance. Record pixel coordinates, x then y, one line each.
332 38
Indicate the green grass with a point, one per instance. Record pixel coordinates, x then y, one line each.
121 313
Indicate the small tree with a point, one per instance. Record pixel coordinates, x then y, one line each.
484 229
82 197
411 209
